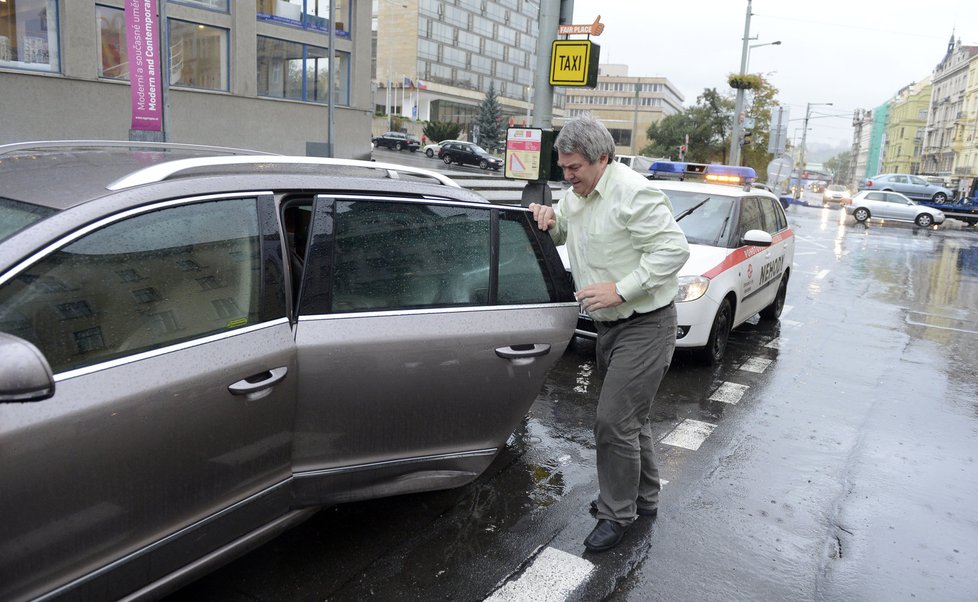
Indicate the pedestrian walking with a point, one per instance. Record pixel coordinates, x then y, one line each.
625 250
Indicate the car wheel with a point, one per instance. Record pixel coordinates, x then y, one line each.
397 147
483 164
716 345
940 197
773 311
447 159
861 214
924 220
430 153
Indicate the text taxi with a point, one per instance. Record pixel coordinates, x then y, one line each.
741 253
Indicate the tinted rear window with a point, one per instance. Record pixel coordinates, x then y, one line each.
15 216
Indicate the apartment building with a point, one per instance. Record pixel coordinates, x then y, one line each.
905 128
946 115
627 105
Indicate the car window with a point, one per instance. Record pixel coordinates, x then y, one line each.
15 216
898 179
147 281
875 196
895 198
382 255
774 220
707 224
751 216
918 181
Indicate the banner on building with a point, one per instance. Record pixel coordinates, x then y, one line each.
142 36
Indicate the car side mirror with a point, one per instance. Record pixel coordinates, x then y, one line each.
757 238
25 374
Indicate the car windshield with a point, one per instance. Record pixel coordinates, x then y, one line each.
837 187
15 216
706 224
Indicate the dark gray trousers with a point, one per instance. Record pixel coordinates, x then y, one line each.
632 358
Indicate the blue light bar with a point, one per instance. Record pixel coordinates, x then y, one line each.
723 174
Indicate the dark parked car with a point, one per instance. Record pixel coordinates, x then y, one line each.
200 349
909 185
397 141
467 153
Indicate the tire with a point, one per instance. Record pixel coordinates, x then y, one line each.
398 147
924 220
716 345
430 153
483 164
940 197
447 159
413 149
861 214
773 311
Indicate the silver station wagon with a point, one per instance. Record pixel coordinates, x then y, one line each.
202 347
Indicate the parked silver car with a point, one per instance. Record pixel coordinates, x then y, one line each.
201 348
891 205
910 185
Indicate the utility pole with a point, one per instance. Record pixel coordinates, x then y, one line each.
735 131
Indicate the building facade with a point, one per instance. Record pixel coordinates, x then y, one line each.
244 74
946 116
627 105
966 143
436 59
905 129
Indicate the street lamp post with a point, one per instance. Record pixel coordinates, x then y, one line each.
804 132
753 46
739 105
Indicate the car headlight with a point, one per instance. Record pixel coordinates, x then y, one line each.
692 288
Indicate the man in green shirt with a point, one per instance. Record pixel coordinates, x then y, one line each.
625 250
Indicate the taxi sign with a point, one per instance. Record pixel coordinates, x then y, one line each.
574 63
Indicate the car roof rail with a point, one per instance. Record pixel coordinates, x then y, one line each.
46 144
162 171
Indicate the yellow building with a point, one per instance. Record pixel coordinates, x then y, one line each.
905 129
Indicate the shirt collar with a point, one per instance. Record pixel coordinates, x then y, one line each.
601 188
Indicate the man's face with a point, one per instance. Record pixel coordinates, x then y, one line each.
582 175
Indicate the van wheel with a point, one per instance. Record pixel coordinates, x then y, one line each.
716 345
773 311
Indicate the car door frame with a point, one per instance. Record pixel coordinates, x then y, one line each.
99 546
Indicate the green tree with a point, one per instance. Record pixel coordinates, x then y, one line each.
490 116
839 166
761 102
707 124
436 131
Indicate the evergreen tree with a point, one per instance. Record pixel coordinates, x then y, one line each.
490 116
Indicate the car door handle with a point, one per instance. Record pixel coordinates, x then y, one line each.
258 382
516 352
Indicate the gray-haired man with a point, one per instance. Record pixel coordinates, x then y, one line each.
625 250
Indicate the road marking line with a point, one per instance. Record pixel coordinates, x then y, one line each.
791 323
552 576
729 393
756 364
775 343
690 434
786 309
821 274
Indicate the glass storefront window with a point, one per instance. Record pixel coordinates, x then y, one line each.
310 14
301 72
113 52
218 5
198 56
29 35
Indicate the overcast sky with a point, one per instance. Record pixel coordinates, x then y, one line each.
852 53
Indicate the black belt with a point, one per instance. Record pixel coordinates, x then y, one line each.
635 315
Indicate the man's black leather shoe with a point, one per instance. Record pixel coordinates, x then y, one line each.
653 512
606 535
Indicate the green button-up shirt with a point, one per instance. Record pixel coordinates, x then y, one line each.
623 232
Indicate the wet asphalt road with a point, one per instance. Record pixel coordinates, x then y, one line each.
830 457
